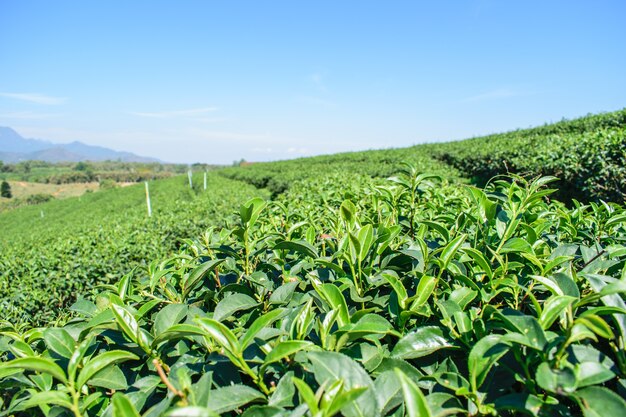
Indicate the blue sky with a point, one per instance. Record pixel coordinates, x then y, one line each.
216 81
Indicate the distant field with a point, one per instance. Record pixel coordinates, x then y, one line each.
22 189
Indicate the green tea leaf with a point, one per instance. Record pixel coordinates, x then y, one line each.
285 349
59 341
414 400
599 402
485 353
229 398
100 362
232 304
300 246
421 342
38 365
122 407
169 315
258 325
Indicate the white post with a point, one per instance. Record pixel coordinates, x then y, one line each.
148 200
205 180
189 175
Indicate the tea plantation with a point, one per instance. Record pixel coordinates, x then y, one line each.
482 277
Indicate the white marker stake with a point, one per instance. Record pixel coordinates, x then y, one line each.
205 180
148 200
189 175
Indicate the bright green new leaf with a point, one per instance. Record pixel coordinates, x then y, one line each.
122 407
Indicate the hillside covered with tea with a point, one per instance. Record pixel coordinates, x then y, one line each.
471 278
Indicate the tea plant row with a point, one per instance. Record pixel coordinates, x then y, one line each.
352 296
54 252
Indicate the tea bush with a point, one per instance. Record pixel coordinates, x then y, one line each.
409 296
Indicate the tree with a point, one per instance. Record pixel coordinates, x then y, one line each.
5 190
82 166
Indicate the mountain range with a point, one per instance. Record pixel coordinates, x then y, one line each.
15 148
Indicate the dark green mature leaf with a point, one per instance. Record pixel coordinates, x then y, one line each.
331 366
285 390
480 259
267 411
299 246
592 373
284 293
516 245
483 356
285 349
421 342
111 377
169 315
462 296
38 399
523 403
556 380
232 304
599 402
178 331
231 397
258 325
525 330
198 274
367 325
84 307
101 361
414 400
38 365
388 391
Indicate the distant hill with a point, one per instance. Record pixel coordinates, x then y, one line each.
15 148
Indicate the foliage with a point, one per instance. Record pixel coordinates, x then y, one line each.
64 248
363 287
69 172
38 198
5 190
277 177
588 155
408 297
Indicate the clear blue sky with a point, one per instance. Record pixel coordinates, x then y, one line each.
213 81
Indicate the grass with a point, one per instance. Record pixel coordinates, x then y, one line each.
21 190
